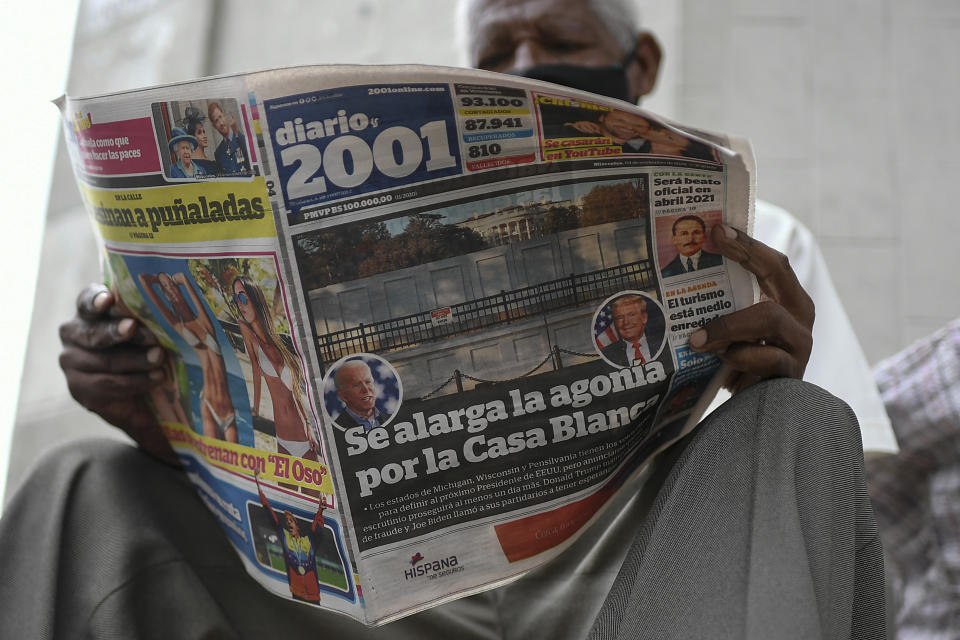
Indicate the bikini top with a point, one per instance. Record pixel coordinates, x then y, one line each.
285 375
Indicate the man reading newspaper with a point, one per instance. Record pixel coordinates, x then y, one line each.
756 525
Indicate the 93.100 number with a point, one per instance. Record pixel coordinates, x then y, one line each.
491 102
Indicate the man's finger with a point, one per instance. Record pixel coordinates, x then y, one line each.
101 333
772 269
93 389
740 381
141 336
119 359
93 301
104 332
96 304
762 361
765 321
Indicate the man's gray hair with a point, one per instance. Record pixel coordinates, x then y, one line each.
342 371
619 17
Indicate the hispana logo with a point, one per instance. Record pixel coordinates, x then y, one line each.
431 569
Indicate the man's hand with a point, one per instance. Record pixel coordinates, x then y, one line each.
111 363
771 339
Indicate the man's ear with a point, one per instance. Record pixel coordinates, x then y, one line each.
643 75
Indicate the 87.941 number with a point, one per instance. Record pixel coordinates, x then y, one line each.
491 123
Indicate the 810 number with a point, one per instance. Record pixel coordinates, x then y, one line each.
484 150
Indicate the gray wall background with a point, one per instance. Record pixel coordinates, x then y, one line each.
851 105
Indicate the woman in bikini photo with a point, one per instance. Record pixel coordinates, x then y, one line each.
274 362
195 327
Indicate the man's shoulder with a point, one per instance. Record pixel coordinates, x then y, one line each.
613 346
781 230
708 259
654 335
615 352
345 421
673 268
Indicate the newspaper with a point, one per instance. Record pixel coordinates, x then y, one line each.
423 322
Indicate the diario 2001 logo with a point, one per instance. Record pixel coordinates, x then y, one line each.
346 142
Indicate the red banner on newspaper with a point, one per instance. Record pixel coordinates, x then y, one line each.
493 163
535 534
118 148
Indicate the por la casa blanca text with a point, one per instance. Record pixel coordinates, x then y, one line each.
476 418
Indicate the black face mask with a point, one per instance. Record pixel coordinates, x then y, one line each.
610 81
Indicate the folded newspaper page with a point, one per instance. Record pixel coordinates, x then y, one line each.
423 322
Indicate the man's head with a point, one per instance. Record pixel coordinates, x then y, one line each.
291 524
688 235
514 36
354 383
629 317
219 119
623 125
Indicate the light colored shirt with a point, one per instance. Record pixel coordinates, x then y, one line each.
368 424
837 362
695 258
636 144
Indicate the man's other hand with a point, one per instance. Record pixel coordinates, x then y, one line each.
111 363
770 339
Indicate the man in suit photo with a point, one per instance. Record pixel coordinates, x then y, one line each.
356 390
623 128
231 153
688 236
635 345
